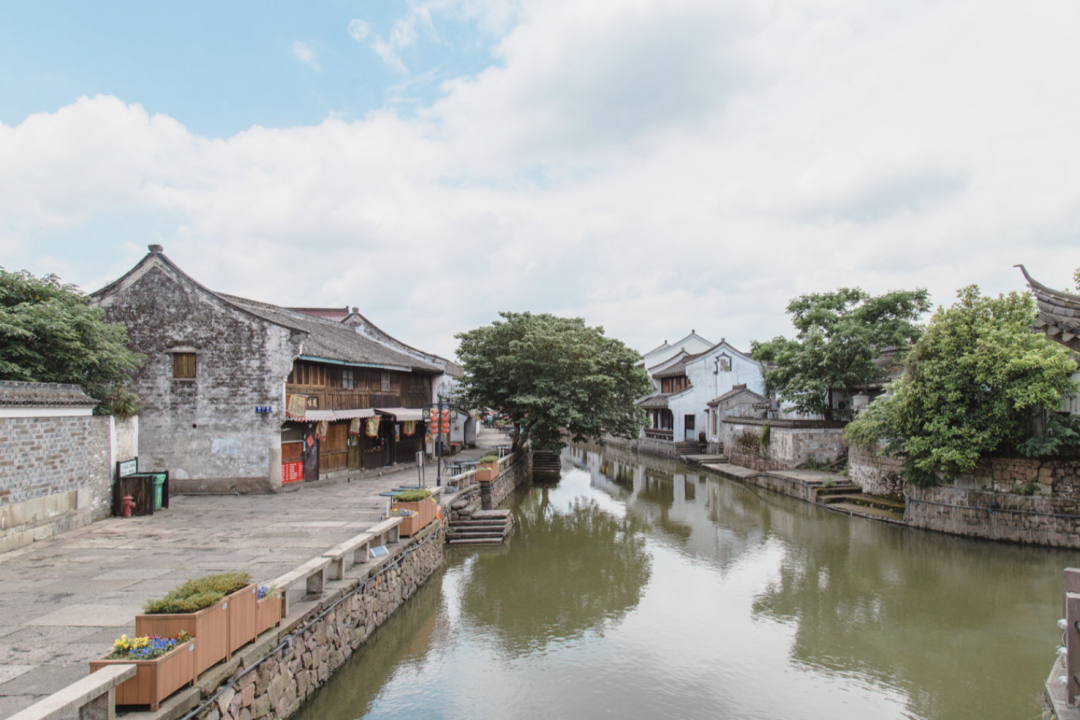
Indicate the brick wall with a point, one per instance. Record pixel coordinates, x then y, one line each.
42 456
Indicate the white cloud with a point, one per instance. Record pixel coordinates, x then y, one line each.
653 166
359 29
306 54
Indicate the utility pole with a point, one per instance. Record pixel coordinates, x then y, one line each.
438 446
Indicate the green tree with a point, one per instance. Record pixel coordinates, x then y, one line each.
49 332
970 387
840 336
548 373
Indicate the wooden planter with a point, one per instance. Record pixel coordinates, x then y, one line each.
487 472
241 608
267 613
154 679
210 626
424 514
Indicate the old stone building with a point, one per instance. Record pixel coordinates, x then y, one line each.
242 396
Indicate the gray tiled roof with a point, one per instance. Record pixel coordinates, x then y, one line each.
655 402
737 390
32 394
1059 313
676 370
331 340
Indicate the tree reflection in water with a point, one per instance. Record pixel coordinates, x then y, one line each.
572 570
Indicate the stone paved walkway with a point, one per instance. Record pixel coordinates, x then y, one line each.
64 600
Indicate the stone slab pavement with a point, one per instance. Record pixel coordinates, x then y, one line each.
64 600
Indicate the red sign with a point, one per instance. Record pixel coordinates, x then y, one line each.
292 472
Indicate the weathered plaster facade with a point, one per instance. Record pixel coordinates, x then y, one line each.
205 430
709 379
792 443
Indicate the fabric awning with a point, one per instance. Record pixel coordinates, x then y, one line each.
403 414
330 415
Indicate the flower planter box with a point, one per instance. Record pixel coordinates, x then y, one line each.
423 515
268 613
241 609
154 679
210 626
487 472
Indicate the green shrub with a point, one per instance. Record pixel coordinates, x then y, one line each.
172 603
412 496
489 459
198 593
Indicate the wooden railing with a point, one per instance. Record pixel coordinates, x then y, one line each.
658 434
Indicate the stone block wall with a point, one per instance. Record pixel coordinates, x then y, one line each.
649 446
875 474
1033 520
319 646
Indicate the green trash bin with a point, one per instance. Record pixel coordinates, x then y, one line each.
159 483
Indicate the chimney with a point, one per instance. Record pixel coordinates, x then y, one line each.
155 248
356 310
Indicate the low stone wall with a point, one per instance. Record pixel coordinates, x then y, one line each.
56 473
875 474
649 446
792 443
311 648
996 516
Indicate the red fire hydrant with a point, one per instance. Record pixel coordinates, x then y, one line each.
128 503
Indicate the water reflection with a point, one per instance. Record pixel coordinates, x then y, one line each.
643 588
572 568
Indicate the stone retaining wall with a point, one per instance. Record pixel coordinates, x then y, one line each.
875 474
649 446
325 637
995 516
792 443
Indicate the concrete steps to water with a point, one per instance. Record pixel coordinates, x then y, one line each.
546 464
849 498
470 526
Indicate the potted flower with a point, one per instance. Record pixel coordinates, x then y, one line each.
489 468
416 508
268 608
163 666
200 607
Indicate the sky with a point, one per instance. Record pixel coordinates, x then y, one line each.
653 166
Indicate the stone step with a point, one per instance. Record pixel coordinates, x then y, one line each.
477 541
844 489
476 533
491 514
872 500
478 523
867 511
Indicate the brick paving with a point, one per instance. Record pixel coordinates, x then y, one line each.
64 600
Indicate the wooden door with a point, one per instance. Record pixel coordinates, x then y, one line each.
688 433
311 454
334 453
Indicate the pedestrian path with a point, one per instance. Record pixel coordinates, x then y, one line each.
64 600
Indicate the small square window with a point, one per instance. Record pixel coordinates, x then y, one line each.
183 365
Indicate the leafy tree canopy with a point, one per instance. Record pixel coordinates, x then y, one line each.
840 335
970 387
49 332
547 373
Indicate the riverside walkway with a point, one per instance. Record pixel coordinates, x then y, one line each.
64 600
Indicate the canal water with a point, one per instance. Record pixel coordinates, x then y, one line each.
642 588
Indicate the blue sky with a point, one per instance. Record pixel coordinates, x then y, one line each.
652 166
220 68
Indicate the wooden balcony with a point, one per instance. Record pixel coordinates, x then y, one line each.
659 434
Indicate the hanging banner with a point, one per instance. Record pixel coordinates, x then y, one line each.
295 406
410 428
372 427
354 426
322 430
